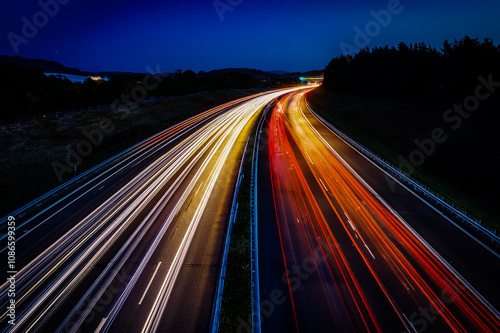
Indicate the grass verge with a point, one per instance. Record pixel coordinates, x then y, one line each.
236 298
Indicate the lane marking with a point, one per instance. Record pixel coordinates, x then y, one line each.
201 184
101 324
368 249
149 284
411 324
326 189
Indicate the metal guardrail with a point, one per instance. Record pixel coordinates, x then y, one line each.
253 234
435 198
222 274
254 240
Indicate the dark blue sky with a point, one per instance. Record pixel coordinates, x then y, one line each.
129 35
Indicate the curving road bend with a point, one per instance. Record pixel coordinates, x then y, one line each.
135 245
348 262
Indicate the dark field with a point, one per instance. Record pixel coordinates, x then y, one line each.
28 151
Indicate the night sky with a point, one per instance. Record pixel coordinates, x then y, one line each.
129 35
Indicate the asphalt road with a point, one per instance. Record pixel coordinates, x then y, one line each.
349 257
136 245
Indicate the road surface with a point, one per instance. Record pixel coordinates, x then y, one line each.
134 245
335 256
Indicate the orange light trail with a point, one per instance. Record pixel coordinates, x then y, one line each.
388 248
288 178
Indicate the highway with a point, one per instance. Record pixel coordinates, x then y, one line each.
336 256
135 244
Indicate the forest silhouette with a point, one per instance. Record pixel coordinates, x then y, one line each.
415 69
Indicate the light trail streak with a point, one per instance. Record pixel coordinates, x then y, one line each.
241 117
135 153
106 238
390 250
152 248
199 146
294 198
149 284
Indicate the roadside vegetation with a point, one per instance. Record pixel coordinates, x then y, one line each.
28 151
28 91
392 100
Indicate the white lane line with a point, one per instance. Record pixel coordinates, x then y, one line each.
350 222
411 324
101 324
149 284
326 189
357 233
201 184
368 249
307 155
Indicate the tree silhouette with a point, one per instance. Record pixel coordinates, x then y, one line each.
415 69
